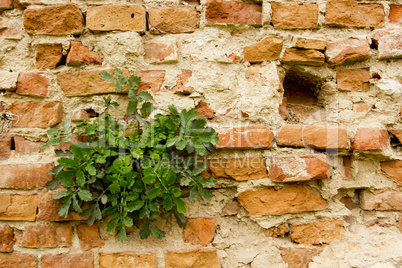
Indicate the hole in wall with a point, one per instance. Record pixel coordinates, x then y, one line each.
374 44
395 142
12 143
92 113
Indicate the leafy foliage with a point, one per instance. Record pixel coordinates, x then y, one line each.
140 176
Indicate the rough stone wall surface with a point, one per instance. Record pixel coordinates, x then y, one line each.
309 180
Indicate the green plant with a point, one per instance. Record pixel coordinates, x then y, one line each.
139 176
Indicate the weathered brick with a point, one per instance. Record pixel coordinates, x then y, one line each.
23 146
283 110
48 209
126 259
318 232
233 12
290 135
173 19
393 169
86 83
199 231
79 115
6 238
79 260
10 260
395 13
294 16
370 139
25 3
182 80
240 169
230 209
116 18
36 114
17 207
79 55
48 55
46 236
303 56
350 50
5 147
321 137
350 13
11 28
307 43
268 49
161 53
89 236
6 4
381 200
353 79
63 19
33 84
245 137
303 168
389 43
278 201
204 110
28 175
299 257
277 231
192 259
362 107
8 80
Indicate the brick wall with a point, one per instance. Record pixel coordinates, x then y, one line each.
306 96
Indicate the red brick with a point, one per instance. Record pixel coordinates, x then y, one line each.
48 55
11 28
6 4
76 260
6 238
303 168
294 16
116 18
353 79
303 56
307 43
23 146
192 259
182 80
126 259
245 137
33 84
381 200
393 169
11 260
28 175
151 80
318 232
370 139
161 53
362 107
199 231
36 114
240 169
347 163
350 50
46 236
79 55
395 13
290 135
321 137
204 110
233 12
63 19
299 257
268 49
350 13
17 207
279 201
389 43
48 209
5 147
89 236
173 19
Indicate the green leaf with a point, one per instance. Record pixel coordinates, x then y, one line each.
172 141
144 96
127 221
132 107
181 144
51 185
168 204
103 199
134 81
66 177
181 205
114 187
118 73
80 178
53 132
180 218
200 123
135 205
205 194
156 232
153 193
107 77
198 169
173 110
193 194
85 195
146 109
59 195
91 170
149 179
55 170
68 162
208 181
64 208
112 224
121 236
199 148
76 205
145 232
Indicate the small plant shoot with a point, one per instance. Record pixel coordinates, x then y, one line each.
138 176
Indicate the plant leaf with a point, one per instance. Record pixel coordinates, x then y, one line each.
107 77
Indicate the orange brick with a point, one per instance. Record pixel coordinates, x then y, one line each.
233 12
5 147
189 259
245 137
393 169
294 16
126 259
29 175
173 19
6 4
199 231
79 55
350 50
17 207
240 169
89 236
17 260
46 236
318 232
48 55
33 84
268 49
81 260
381 200
161 53
24 146
353 79
6 239
182 80
370 139
395 13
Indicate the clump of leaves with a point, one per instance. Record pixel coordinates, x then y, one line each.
139 176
